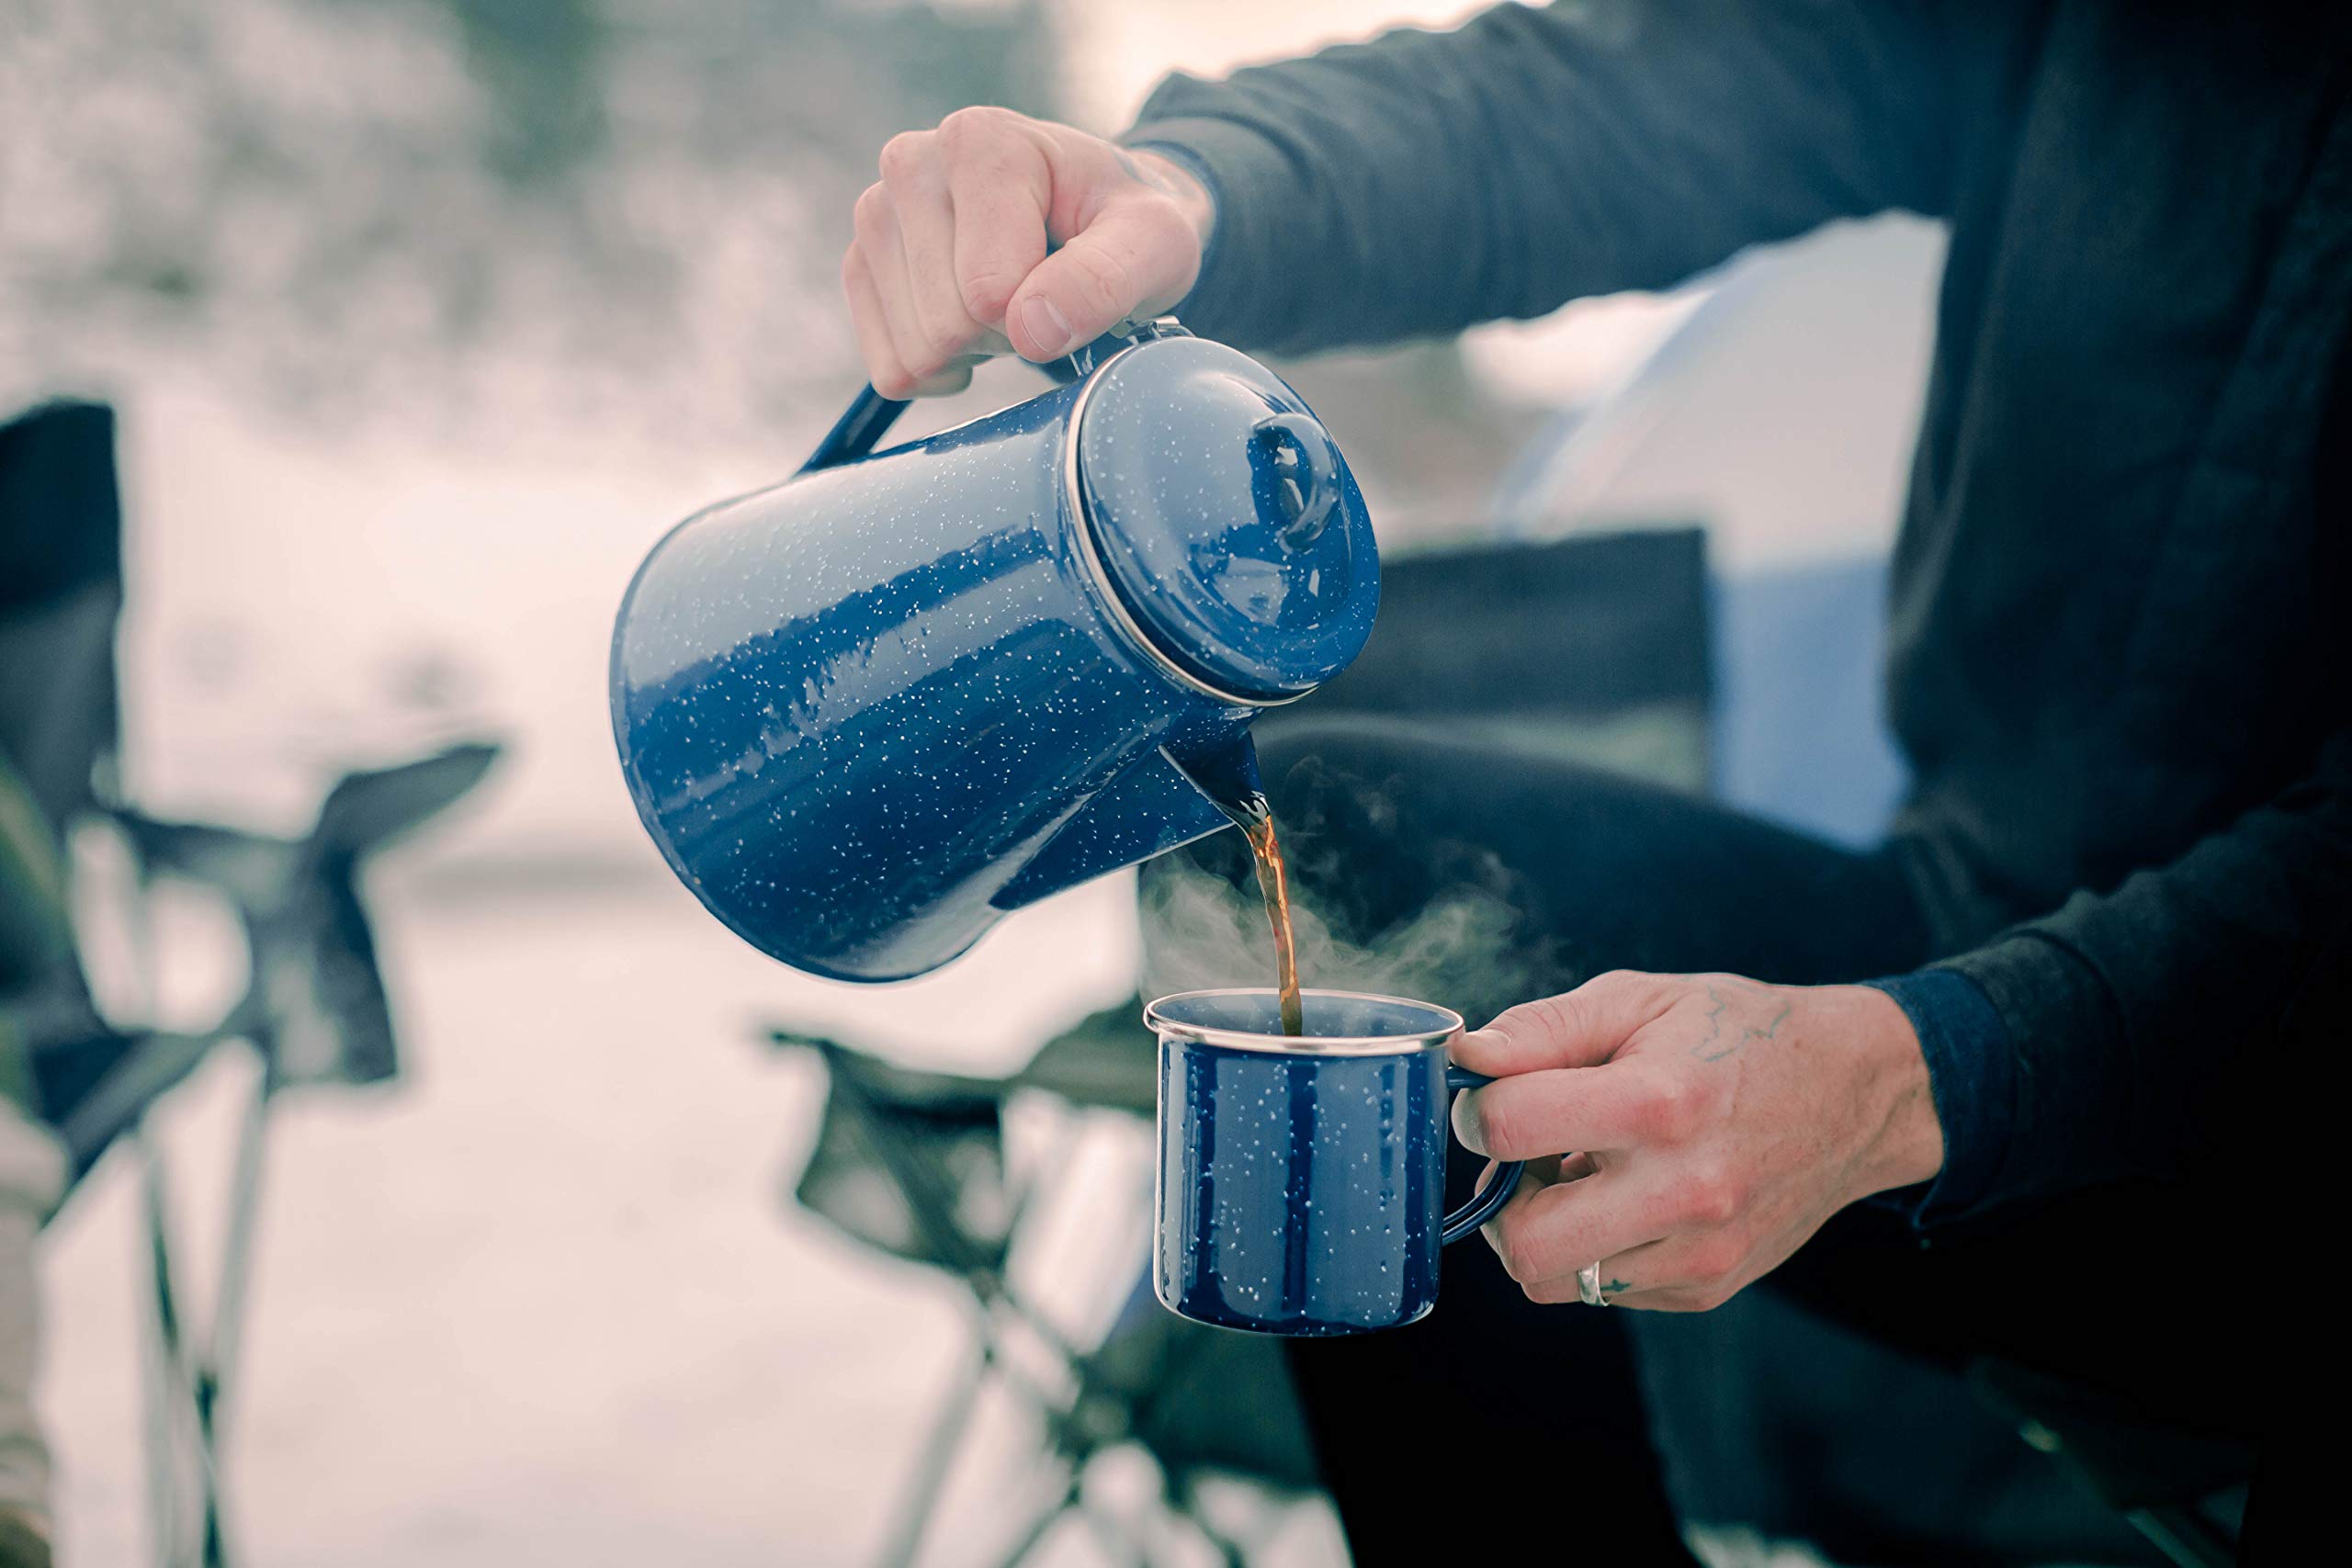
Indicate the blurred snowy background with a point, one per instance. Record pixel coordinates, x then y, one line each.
424 316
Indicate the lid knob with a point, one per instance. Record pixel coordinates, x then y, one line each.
1296 463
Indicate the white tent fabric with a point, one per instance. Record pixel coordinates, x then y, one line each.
1781 412
1781 415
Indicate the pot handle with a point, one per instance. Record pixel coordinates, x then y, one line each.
854 434
871 414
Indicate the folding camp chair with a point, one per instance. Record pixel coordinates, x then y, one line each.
315 1009
314 1012
913 1165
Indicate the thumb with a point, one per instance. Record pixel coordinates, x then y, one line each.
1582 1028
1136 259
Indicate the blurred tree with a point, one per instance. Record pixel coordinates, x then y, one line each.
459 210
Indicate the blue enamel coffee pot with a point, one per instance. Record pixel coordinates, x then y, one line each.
866 712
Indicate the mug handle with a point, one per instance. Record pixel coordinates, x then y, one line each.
1488 1200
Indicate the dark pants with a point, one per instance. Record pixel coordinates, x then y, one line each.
1540 1403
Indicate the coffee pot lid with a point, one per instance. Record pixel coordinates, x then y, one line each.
1223 519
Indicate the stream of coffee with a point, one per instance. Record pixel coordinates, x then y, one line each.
1256 820
1229 776
1275 885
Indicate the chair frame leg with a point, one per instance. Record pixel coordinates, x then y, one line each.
188 1376
998 1310
926 1482
2181 1534
1026 1542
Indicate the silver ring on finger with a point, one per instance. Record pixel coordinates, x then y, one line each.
1589 1286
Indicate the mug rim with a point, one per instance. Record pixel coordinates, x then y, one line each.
1167 1028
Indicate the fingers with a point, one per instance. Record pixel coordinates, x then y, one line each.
934 327
872 325
1678 1274
1618 1105
1003 238
1547 1170
876 220
1579 1029
1569 1213
883 366
1135 258
997 188
931 341
1542 1171
1549 1230
906 300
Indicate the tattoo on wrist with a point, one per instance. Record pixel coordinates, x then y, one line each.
1615 1288
1715 1046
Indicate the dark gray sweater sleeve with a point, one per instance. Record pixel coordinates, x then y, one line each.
1427 181
2143 1023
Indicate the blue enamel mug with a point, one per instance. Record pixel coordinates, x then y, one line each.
866 712
1301 1187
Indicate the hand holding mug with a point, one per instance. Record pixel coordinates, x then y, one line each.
1716 1123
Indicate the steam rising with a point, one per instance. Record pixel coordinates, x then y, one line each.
1463 948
